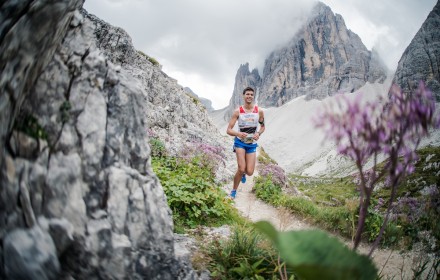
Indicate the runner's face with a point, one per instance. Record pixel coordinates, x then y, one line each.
248 96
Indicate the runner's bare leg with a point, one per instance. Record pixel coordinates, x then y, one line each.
241 163
250 163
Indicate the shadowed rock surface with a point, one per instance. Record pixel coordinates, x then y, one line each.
78 197
421 59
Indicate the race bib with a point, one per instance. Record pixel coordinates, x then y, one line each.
248 139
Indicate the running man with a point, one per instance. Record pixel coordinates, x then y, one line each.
245 146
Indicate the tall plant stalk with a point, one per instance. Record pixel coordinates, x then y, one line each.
390 129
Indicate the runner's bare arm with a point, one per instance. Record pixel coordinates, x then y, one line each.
230 130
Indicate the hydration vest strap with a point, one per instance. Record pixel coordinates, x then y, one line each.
242 111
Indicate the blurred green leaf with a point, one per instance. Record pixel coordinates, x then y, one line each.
315 255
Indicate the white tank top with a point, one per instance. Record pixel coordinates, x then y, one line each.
248 123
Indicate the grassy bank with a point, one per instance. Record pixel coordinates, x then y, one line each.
332 203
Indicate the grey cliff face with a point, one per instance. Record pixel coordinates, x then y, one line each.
244 78
421 59
324 57
27 45
174 115
79 199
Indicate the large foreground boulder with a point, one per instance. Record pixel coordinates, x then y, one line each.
78 197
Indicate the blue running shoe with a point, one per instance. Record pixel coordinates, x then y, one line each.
243 178
233 194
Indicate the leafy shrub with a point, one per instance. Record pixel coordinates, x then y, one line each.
393 234
373 224
267 190
157 147
191 191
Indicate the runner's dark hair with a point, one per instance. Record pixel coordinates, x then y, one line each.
248 89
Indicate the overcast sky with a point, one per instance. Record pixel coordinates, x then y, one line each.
201 43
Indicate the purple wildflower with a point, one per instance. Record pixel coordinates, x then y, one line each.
210 156
276 173
392 129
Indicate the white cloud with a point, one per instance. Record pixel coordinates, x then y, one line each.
202 43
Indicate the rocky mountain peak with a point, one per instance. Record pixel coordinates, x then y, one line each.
322 58
244 78
421 59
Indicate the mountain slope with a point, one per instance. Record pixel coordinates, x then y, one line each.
421 59
324 57
298 147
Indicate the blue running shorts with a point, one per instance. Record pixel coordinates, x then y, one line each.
249 148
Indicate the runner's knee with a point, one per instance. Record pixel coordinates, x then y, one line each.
241 169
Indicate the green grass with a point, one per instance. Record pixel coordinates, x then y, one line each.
264 158
325 191
331 217
149 58
332 203
424 175
245 255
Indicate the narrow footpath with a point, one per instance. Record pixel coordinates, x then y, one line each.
391 264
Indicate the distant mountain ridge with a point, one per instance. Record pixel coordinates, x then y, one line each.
323 57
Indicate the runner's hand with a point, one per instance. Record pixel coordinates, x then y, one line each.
242 135
256 136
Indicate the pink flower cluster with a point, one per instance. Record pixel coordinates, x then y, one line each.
210 156
151 133
275 172
411 208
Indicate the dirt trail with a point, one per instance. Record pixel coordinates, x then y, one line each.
393 264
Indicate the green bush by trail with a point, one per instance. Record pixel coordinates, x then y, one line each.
189 185
191 191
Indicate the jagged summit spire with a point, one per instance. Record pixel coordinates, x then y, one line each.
322 58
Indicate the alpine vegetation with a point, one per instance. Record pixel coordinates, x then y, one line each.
372 131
